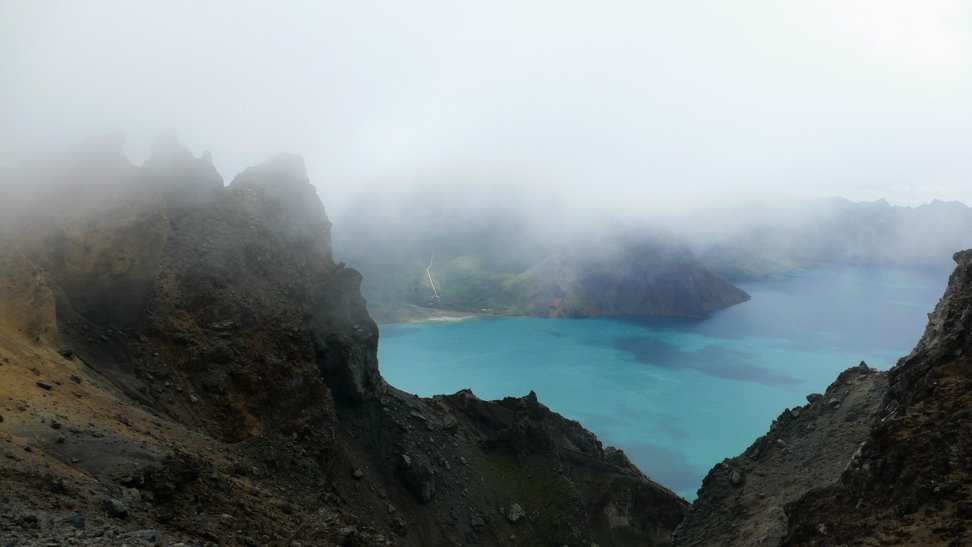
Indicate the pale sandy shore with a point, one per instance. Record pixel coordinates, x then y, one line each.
416 314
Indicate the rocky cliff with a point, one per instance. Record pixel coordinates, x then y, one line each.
742 499
184 361
910 483
879 459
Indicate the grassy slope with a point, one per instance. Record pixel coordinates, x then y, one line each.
394 288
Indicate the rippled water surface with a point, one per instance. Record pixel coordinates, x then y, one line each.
678 395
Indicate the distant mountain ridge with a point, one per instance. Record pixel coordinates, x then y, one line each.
495 260
759 238
643 279
497 254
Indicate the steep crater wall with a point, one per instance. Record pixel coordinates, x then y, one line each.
203 355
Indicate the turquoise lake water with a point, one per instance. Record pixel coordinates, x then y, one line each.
678 395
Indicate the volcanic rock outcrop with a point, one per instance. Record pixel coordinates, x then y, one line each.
184 361
742 499
911 481
879 459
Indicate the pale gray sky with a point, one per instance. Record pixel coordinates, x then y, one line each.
611 103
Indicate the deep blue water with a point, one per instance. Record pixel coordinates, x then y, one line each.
678 395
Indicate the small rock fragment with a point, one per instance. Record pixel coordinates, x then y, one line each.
44 385
736 477
150 534
399 525
347 535
116 508
515 513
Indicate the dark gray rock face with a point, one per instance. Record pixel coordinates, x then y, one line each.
911 481
879 459
510 472
742 499
226 291
116 508
184 181
248 292
231 384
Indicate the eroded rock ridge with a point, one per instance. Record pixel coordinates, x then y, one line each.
184 360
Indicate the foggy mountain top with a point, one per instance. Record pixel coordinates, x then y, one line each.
620 108
507 226
417 216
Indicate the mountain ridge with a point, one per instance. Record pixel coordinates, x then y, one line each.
185 360
198 368
490 256
876 460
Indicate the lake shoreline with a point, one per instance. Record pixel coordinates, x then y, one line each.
677 395
418 314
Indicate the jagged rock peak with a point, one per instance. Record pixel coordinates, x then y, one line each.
166 143
167 147
283 181
225 365
946 338
184 180
950 323
909 482
283 174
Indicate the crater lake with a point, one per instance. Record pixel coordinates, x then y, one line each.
678 395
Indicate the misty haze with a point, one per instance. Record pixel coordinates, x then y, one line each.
633 273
